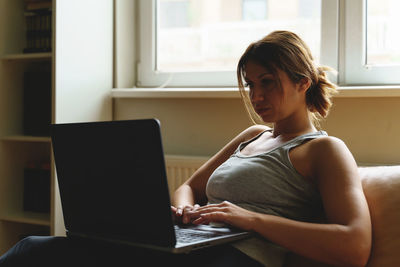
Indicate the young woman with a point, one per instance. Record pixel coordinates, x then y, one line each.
278 181
296 187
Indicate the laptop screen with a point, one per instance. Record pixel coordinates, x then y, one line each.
112 180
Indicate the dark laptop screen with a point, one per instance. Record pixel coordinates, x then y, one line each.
112 180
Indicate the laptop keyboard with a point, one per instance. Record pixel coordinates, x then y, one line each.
186 235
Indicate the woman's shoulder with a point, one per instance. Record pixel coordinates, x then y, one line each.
327 148
326 142
253 131
328 156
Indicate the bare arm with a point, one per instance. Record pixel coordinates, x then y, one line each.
193 191
344 241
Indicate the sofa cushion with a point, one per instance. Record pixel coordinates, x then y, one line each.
381 185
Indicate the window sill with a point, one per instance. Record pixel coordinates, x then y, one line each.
176 93
344 92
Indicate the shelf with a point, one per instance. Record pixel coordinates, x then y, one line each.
26 138
27 218
30 56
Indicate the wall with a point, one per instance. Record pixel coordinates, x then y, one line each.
369 126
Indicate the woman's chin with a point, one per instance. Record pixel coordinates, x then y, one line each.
266 116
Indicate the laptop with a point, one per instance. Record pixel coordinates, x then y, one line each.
113 187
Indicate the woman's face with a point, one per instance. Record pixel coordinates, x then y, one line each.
271 102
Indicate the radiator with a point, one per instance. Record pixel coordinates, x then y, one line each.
180 168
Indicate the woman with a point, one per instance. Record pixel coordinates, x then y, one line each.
277 182
282 178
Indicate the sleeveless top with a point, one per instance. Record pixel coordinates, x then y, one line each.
266 183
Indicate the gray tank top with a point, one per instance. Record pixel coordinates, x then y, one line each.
266 183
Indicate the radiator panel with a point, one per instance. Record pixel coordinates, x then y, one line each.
180 168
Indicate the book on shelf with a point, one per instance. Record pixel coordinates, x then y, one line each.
37 187
37 99
38 5
39 26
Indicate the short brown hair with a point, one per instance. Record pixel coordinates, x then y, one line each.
288 52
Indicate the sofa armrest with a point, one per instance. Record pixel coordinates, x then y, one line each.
381 185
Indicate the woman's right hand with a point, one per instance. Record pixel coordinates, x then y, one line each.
181 213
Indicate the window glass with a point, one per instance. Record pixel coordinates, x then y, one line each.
210 35
254 10
383 39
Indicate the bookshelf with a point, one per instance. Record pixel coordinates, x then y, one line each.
27 138
17 149
80 79
27 218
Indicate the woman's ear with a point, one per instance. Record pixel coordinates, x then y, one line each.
304 84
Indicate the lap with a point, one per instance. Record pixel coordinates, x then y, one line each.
62 251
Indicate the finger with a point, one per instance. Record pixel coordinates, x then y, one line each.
200 220
175 216
207 218
179 211
212 205
204 210
219 205
186 218
189 217
188 214
185 214
216 216
187 208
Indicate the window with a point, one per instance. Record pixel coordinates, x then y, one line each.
197 43
371 43
383 40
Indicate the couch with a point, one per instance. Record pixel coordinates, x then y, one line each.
381 185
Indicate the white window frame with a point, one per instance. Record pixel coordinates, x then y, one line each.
148 76
353 67
329 54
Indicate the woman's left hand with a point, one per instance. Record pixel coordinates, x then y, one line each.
224 212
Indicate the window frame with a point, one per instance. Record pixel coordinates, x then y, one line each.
148 76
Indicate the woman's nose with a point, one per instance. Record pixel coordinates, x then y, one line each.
257 95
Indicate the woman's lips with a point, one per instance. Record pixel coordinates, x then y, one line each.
262 110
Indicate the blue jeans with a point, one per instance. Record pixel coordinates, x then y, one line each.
62 251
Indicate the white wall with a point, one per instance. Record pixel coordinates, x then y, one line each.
369 126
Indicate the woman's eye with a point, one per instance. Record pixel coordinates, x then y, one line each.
267 81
